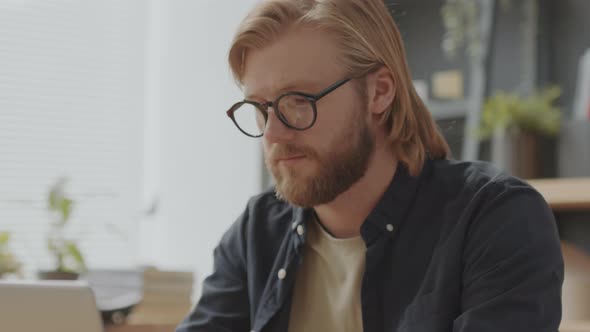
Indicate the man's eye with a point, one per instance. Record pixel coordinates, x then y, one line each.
300 101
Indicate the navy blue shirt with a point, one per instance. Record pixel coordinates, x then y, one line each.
461 247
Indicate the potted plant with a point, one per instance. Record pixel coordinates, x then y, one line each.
9 265
515 123
69 261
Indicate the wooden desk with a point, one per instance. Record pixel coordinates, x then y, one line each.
565 194
575 327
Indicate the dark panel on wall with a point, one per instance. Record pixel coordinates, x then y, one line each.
507 55
569 39
452 130
422 30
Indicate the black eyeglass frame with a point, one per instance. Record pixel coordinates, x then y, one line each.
263 107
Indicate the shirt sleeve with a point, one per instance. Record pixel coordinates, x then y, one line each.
224 302
513 267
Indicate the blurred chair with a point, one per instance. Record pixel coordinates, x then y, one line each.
576 290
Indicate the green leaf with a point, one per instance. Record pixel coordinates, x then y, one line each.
66 209
536 114
8 263
4 238
52 200
76 254
55 194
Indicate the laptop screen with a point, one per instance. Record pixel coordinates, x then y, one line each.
60 306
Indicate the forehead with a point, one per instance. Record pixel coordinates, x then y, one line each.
300 59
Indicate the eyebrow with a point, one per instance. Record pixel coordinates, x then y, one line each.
294 86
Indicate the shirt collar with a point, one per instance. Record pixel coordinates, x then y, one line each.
388 214
394 205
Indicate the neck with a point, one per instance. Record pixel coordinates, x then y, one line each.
344 216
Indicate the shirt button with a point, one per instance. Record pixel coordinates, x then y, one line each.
300 230
389 227
282 274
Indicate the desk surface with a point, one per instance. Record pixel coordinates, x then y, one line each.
565 194
575 327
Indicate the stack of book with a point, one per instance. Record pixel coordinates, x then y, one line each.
166 297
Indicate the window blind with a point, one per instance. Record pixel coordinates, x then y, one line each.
71 100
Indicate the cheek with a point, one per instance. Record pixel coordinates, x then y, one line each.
336 114
265 148
334 127
265 145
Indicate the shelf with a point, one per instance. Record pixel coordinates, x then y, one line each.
442 110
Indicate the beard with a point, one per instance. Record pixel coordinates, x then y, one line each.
332 174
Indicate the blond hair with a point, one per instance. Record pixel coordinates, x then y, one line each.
369 39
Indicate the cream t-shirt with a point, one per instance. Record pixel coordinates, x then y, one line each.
327 293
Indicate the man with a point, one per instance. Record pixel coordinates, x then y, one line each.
369 226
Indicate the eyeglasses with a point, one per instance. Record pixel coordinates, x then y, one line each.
296 110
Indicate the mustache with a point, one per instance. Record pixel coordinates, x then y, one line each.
281 151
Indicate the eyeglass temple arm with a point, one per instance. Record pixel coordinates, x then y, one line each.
331 88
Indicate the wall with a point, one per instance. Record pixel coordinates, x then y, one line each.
199 170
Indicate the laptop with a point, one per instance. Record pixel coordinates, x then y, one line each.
48 306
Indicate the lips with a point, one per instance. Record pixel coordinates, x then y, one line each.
289 158
287 154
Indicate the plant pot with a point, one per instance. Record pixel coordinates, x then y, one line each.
57 275
518 153
526 161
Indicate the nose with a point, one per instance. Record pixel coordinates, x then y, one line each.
275 130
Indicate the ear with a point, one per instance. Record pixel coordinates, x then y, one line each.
381 90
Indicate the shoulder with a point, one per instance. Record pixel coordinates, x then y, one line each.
488 199
479 198
474 182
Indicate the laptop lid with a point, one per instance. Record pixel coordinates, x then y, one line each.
48 306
